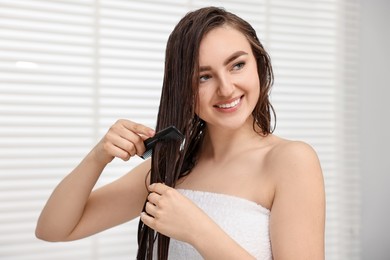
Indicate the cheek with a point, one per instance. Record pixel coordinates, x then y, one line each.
251 78
255 89
252 83
256 83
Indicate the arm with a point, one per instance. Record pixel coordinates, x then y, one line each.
169 211
73 212
297 218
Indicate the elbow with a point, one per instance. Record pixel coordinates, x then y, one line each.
49 230
42 235
45 234
40 232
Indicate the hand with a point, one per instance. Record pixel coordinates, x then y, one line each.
124 139
172 214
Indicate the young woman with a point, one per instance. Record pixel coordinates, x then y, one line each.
232 191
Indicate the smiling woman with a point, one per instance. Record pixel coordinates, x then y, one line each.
70 69
221 105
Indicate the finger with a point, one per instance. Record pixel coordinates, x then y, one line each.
126 139
154 198
118 152
151 209
159 188
134 143
124 144
130 132
138 128
147 220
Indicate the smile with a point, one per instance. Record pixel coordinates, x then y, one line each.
230 105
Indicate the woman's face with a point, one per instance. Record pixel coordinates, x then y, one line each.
229 84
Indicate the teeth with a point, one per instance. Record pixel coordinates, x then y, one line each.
230 105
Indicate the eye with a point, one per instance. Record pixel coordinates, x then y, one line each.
204 78
238 65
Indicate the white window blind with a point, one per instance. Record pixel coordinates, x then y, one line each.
70 69
314 96
46 115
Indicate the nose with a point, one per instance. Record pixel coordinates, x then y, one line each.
225 86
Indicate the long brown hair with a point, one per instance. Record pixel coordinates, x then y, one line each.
177 105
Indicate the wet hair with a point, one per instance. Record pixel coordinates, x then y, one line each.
178 102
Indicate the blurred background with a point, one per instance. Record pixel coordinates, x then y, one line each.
69 69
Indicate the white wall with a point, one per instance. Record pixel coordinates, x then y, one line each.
375 128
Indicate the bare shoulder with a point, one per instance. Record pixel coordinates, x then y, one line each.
283 149
298 207
288 158
295 169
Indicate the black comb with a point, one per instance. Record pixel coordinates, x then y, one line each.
169 133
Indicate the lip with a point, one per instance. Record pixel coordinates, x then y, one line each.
229 101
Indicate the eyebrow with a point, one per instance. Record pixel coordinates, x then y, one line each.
227 61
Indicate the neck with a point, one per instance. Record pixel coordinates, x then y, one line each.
220 144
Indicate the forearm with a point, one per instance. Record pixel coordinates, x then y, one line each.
65 206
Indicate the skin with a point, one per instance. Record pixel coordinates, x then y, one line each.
281 175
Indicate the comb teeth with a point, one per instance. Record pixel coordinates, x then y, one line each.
169 133
147 154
